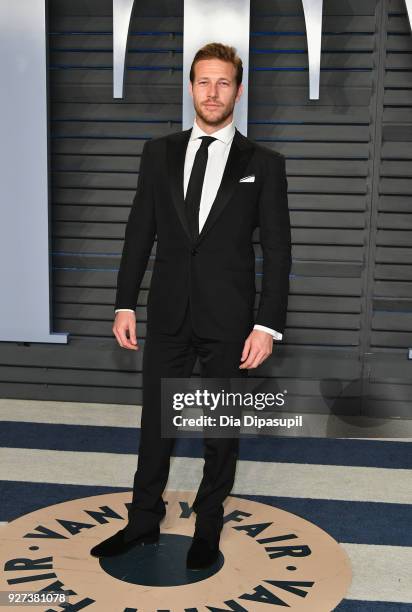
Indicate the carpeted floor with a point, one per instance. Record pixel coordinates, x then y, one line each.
359 491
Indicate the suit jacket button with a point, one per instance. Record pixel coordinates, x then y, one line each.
194 251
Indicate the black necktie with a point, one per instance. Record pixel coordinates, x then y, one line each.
194 188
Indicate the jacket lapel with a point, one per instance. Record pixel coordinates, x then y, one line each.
239 155
176 153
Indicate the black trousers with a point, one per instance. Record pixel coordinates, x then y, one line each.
174 356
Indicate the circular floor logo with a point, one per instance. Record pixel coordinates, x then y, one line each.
270 559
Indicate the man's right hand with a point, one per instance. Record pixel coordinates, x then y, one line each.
125 322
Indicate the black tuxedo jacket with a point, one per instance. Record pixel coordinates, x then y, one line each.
216 272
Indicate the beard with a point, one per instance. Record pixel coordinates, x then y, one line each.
217 118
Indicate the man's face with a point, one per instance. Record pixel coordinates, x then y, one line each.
214 90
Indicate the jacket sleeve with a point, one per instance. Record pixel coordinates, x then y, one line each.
275 239
139 237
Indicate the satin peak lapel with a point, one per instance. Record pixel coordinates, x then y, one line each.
240 153
176 153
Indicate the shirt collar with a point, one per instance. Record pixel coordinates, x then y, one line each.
225 134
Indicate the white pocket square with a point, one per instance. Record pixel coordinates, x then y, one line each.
248 179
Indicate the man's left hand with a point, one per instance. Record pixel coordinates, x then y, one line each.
258 346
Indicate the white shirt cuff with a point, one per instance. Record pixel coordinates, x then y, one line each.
276 335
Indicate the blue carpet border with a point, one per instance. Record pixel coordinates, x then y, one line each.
387 524
125 440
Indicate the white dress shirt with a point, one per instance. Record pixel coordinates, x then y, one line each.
218 152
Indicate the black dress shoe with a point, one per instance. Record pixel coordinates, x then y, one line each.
116 545
201 554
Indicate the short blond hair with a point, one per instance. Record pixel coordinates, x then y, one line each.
220 51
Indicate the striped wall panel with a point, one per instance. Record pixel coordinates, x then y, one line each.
338 325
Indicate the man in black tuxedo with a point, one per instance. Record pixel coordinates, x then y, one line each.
202 191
